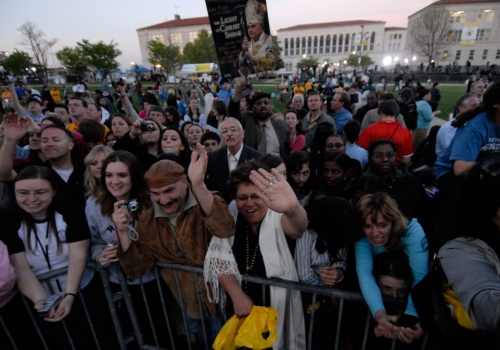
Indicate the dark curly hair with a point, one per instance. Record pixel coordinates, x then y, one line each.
241 175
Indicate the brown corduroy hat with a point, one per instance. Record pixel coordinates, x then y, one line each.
164 173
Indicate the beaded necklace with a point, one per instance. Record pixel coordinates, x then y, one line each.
249 267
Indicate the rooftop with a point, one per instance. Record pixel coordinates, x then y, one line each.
447 2
179 23
331 24
387 29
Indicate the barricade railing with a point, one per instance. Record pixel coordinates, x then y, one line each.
176 319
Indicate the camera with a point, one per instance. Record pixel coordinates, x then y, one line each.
132 206
51 302
147 127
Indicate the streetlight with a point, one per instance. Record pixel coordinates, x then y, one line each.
414 58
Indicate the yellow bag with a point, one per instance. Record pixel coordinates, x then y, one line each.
261 320
225 338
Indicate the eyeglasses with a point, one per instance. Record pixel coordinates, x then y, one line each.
388 155
233 129
37 194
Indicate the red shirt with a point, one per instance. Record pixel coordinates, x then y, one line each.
390 130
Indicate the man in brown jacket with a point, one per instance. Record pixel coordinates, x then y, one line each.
177 229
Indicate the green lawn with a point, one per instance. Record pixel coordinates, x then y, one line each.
449 93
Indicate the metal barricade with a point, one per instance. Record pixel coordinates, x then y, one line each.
178 329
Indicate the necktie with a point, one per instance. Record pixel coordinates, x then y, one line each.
263 140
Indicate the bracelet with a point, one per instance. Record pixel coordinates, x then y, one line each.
72 294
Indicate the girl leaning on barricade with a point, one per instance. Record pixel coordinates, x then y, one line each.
45 233
122 180
386 229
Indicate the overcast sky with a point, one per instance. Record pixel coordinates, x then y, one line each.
70 21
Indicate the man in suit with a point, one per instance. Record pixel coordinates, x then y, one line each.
226 159
263 133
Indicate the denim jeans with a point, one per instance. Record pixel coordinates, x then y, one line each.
211 327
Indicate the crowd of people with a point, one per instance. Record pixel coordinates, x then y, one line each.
350 189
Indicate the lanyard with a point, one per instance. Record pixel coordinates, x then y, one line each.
46 251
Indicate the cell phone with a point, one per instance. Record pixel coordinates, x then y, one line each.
407 321
53 301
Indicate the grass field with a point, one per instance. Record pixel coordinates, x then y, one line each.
449 93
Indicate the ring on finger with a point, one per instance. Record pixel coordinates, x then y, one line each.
265 190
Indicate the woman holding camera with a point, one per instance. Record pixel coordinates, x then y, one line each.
122 179
142 141
45 233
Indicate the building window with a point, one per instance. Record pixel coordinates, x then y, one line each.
372 41
158 37
303 45
353 41
193 36
445 54
327 46
457 17
309 44
346 45
297 44
321 43
334 43
286 47
498 55
341 40
485 54
399 46
454 36
390 36
390 46
315 45
485 16
471 54
399 36
458 54
483 34
175 38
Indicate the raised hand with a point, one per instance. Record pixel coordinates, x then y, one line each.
275 190
15 127
198 166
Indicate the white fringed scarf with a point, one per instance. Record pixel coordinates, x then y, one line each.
279 264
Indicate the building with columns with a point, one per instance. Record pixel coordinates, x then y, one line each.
332 43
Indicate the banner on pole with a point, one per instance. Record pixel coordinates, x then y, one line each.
242 36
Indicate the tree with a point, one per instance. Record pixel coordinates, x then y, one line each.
168 56
201 50
353 60
17 62
429 32
34 38
306 63
100 55
72 59
278 61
